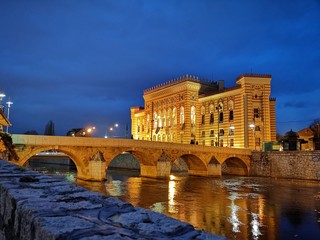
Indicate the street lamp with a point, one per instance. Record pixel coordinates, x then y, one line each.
252 127
9 103
116 125
2 95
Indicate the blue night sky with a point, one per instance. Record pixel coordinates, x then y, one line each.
81 62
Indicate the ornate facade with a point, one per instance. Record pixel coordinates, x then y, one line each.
189 110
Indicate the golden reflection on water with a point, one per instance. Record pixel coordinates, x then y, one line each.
235 207
171 194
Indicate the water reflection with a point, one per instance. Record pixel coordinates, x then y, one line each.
235 207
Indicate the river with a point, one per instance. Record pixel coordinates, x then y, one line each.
234 207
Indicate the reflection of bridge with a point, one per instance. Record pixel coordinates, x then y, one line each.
92 156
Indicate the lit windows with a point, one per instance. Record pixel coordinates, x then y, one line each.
193 115
256 112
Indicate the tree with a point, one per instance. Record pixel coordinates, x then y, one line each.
49 130
7 146
315 127
31 132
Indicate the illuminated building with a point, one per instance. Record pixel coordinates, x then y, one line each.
3 121
189 110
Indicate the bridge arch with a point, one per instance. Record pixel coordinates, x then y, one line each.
23 159
234 166
196 166
125 160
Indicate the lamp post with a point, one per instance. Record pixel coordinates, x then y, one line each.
116 125
2 95
9 103
252 127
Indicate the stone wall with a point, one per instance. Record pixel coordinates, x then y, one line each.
286 164
35 206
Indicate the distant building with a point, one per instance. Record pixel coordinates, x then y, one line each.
307 136
189 110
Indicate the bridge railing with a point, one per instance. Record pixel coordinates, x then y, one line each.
20 139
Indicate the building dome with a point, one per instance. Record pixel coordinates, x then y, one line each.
291 134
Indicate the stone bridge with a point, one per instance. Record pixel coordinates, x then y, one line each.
92 156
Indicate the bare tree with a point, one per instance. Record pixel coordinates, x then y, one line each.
315 127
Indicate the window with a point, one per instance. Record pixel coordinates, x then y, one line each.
174 116
212 143
159 120
211 133
231 131
193 115
230 115
221 132
155 119
203 133
221 143
169 117
231 142
257 141
257 129
182 115
256 112
148 121
211 118
203 112
221 117
164 118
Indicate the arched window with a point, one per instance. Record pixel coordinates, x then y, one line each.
211 111
155 120
169 120
174 116
148 122
159 120
211 108
182 115
164 118
203 112
193 115
220 111
230 107
221 117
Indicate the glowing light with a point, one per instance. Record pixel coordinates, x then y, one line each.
255 226
171 194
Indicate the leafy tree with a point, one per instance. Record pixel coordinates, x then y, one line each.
31 132
315 127
49 130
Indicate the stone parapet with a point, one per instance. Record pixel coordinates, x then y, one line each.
35 206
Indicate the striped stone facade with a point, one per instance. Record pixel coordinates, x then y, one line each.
188 110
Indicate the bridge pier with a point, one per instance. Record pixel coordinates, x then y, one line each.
214 170
161 170
96 171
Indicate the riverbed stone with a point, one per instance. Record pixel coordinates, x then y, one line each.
34 206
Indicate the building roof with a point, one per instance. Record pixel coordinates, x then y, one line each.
3 120
305 132
254 75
